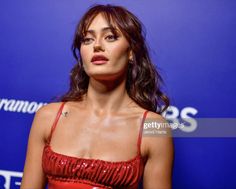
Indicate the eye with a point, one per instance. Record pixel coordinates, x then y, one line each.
87 40
111 37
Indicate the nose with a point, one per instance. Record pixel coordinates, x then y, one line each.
98 46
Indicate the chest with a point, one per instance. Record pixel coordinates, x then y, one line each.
89 137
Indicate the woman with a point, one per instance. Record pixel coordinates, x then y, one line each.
93 138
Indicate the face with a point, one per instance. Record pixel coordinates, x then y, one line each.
100 40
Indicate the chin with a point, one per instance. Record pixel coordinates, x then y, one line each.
105 76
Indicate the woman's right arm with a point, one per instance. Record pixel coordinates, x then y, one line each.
33 176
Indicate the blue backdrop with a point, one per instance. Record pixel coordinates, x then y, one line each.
192 42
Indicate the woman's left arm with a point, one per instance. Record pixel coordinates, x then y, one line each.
159 165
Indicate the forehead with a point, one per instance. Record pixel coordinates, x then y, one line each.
100 22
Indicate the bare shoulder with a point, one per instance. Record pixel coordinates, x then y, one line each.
156 116
49 109
45 117
160 140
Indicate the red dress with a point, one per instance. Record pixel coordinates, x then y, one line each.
66 172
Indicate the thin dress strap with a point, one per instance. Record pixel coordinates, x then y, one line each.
55 122
140 132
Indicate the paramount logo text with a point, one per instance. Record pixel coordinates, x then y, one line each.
22 106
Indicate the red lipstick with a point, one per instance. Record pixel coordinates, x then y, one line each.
99 59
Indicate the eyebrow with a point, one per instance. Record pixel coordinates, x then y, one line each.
103 30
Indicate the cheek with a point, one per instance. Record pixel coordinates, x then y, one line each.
119 52
84 52
85 57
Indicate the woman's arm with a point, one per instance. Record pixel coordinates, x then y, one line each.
33 176
158 168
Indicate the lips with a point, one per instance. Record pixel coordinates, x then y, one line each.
99 59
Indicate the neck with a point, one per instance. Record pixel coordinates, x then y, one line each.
105 97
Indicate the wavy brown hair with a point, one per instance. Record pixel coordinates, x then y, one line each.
143 81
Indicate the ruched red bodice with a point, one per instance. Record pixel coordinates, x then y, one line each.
67 172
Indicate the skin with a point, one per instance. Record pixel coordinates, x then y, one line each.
105 120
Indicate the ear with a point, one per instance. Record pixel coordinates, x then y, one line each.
131 57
